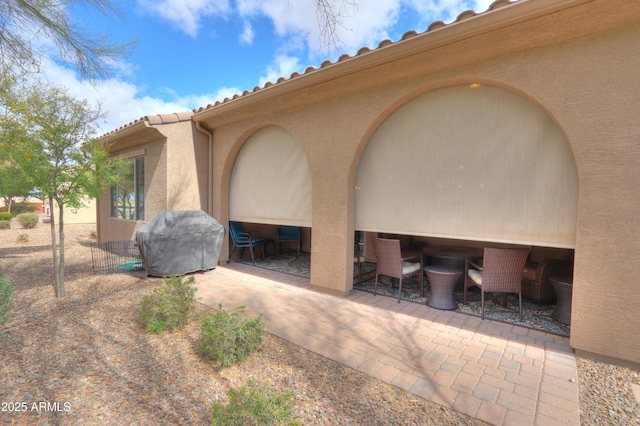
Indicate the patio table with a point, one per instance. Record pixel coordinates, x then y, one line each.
453 257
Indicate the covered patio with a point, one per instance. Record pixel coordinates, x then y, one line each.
535 316
515 126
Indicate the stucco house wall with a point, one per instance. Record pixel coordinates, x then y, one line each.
574 59
176 170
83 215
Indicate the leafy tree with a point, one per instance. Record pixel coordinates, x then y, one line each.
71 166
26 26
17 147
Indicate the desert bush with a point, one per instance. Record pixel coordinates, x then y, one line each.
170 306
23 238
18 208
28 220
6 299
5 224
5 216
255 406
226 338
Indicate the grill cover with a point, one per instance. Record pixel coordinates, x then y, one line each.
176 242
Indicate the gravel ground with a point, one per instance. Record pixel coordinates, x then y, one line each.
88 360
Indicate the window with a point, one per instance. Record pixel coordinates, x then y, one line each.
127 197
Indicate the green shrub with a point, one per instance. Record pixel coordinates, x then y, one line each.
255 406
6 299
18 208
5 224
28 220
226 338
5 216
170 306
23 238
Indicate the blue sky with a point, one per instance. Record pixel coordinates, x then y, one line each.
191 53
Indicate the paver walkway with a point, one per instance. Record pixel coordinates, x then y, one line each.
502 374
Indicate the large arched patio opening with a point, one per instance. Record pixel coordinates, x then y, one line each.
270 183
472 166
477 164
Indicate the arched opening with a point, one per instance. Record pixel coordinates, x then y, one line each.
478 164
471 167
270 185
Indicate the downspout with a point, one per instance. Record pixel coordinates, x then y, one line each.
209 135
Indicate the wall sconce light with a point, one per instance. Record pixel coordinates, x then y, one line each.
474 85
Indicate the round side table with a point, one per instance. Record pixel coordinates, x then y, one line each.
563 285
452 257
442 281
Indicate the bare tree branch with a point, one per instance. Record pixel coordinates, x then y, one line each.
330 20
23 21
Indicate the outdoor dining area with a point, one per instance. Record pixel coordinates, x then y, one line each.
516 285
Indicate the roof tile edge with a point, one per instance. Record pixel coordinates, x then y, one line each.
153 120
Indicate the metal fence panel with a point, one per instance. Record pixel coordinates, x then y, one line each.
114 257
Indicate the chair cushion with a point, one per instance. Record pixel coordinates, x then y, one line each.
530 271
476 276
408 267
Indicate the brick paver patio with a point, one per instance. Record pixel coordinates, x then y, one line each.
499 373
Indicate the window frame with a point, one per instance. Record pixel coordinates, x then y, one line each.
138 199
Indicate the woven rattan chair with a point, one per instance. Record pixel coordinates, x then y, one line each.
389 262
501 272
358 257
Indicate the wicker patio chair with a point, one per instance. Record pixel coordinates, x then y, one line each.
501 272
358 256
389 262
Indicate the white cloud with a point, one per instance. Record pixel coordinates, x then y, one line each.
122 102
186 15
283 66
247 34
447 10
359 23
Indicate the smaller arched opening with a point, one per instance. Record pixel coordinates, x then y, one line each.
270 187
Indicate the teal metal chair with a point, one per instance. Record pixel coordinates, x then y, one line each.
288 233
242 239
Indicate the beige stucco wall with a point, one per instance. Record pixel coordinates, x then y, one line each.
587 85
176 173
187 164
85 214
155 182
